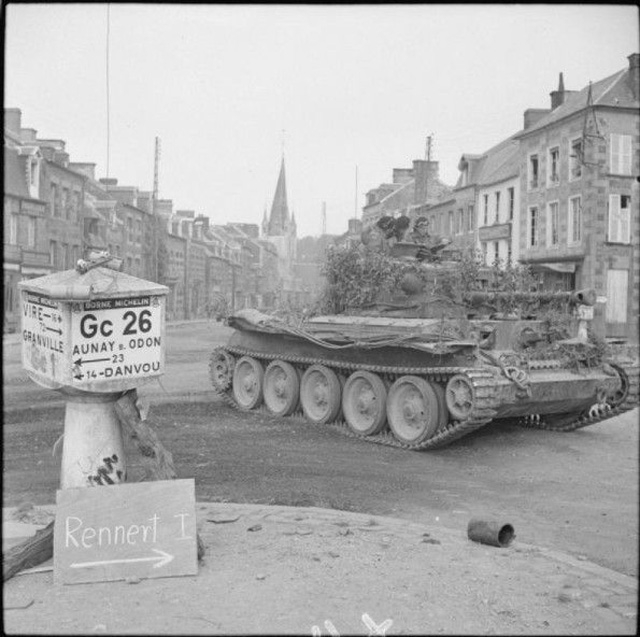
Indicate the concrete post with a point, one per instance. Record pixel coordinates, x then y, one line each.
93 451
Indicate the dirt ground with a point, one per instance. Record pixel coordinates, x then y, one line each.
283 570
574 492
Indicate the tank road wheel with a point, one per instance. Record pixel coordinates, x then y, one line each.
461 397
221 365
281 388
320 394
247 383
364 400
413 409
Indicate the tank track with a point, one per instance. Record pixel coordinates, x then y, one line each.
572 422
482 381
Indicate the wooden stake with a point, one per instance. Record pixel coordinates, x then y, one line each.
31 552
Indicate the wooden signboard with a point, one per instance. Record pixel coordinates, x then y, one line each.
142 530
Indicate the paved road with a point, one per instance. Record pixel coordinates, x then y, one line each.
574 492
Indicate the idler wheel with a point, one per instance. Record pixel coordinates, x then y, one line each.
320 394
247 383
281 388
460 396
413 409
221 365
364 400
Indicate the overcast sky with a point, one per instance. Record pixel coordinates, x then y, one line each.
350 85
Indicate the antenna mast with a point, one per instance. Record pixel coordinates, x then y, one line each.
356 203
324 217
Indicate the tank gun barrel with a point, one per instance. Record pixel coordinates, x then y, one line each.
586 296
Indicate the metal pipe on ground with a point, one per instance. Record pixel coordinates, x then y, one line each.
491 532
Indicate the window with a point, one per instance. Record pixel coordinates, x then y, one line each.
620 154
31 232
497 219
129 229
575 220
33 171
53 200
533 226
496 251
619 230
552 223
575 159
483 247
129 263
117 250
137 270
75 256
533 171
509 254
450 228
460 221
65 255
53 253
13 229
511 194
471 222
553 165
64 203
485 208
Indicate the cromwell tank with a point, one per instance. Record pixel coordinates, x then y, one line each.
421 364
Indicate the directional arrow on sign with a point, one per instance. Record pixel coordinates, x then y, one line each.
53 329
80 361
162 560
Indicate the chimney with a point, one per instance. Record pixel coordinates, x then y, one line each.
61 157
402 175
533 115
28 135
634 74
108 181
87 169
557 97
355 226
202 219
13 120
425 175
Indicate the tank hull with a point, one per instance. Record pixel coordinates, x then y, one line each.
446 389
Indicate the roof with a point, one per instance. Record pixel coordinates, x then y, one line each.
613 90
15 179
279 216
497 164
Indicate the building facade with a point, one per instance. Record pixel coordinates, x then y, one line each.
579 165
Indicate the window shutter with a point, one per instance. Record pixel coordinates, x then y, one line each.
625 225
614 217
625 151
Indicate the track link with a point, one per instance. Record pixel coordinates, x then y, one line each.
598 413
482 381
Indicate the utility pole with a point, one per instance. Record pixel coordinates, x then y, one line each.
154 209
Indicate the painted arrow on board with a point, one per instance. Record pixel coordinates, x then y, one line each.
53 329
80 361
162 560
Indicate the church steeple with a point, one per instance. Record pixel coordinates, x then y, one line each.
279 217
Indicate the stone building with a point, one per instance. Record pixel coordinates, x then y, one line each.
579 167
411 190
